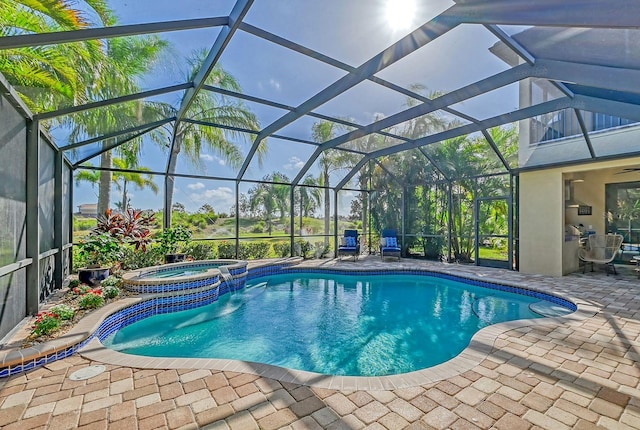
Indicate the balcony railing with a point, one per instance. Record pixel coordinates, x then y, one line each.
562 124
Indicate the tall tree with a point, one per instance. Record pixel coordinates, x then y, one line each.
309 196
127 60
75 73
330 160
281 193
263 201
208 107
122 179
44 75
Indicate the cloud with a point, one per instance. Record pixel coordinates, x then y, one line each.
209 157
274 84
196 186
294 163
221 198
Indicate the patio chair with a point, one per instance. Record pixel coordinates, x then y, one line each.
350 244
601 249
389 246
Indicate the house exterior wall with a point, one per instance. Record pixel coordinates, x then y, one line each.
541 232
543 214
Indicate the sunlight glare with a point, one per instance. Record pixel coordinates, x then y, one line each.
400 13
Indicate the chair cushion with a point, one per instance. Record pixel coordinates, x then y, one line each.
383 242
343 241
350 241
392 242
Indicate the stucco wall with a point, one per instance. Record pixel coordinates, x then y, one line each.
541 222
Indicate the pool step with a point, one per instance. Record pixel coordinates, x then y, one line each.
548 309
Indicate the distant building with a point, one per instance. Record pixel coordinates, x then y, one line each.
89 210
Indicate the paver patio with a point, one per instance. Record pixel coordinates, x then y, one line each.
580 373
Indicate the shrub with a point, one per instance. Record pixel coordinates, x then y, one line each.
92 300
282 249
110 291
254 250
46 322
81 290
322 249
200 251
244 250
226 249
170 239
64 312
258 227
132 226
74 283
132 259
303 248
99 249
111 281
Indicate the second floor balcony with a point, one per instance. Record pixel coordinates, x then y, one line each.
562 124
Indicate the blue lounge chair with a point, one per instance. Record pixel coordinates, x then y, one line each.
389 246
350 244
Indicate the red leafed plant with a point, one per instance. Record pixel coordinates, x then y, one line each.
129 227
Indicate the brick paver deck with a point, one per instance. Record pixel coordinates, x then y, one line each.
581 373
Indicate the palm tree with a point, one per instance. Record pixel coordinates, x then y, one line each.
263 199
309 196
127 59
281 193
367 144
47 77
208 107
330 160
122 180
44 75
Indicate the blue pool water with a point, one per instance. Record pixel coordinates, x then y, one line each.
333 324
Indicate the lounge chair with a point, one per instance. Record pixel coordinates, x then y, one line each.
389 246
350 244
601 249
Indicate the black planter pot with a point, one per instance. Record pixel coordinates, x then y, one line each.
174 258
93 276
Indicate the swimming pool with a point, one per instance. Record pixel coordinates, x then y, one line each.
340 324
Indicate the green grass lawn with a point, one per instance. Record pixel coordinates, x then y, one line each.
493 254
226 227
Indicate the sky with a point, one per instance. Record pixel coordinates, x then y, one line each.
349 31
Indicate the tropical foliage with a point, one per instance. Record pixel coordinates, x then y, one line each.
208 109
428 192
44 75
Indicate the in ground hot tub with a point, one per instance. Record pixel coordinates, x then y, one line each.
186 275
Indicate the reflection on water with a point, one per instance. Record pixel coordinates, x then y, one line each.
338 324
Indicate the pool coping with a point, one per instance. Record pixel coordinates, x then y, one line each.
81 339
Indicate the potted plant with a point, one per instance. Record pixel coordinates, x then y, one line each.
172 240
99 251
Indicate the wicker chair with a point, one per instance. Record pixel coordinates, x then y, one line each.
601 249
